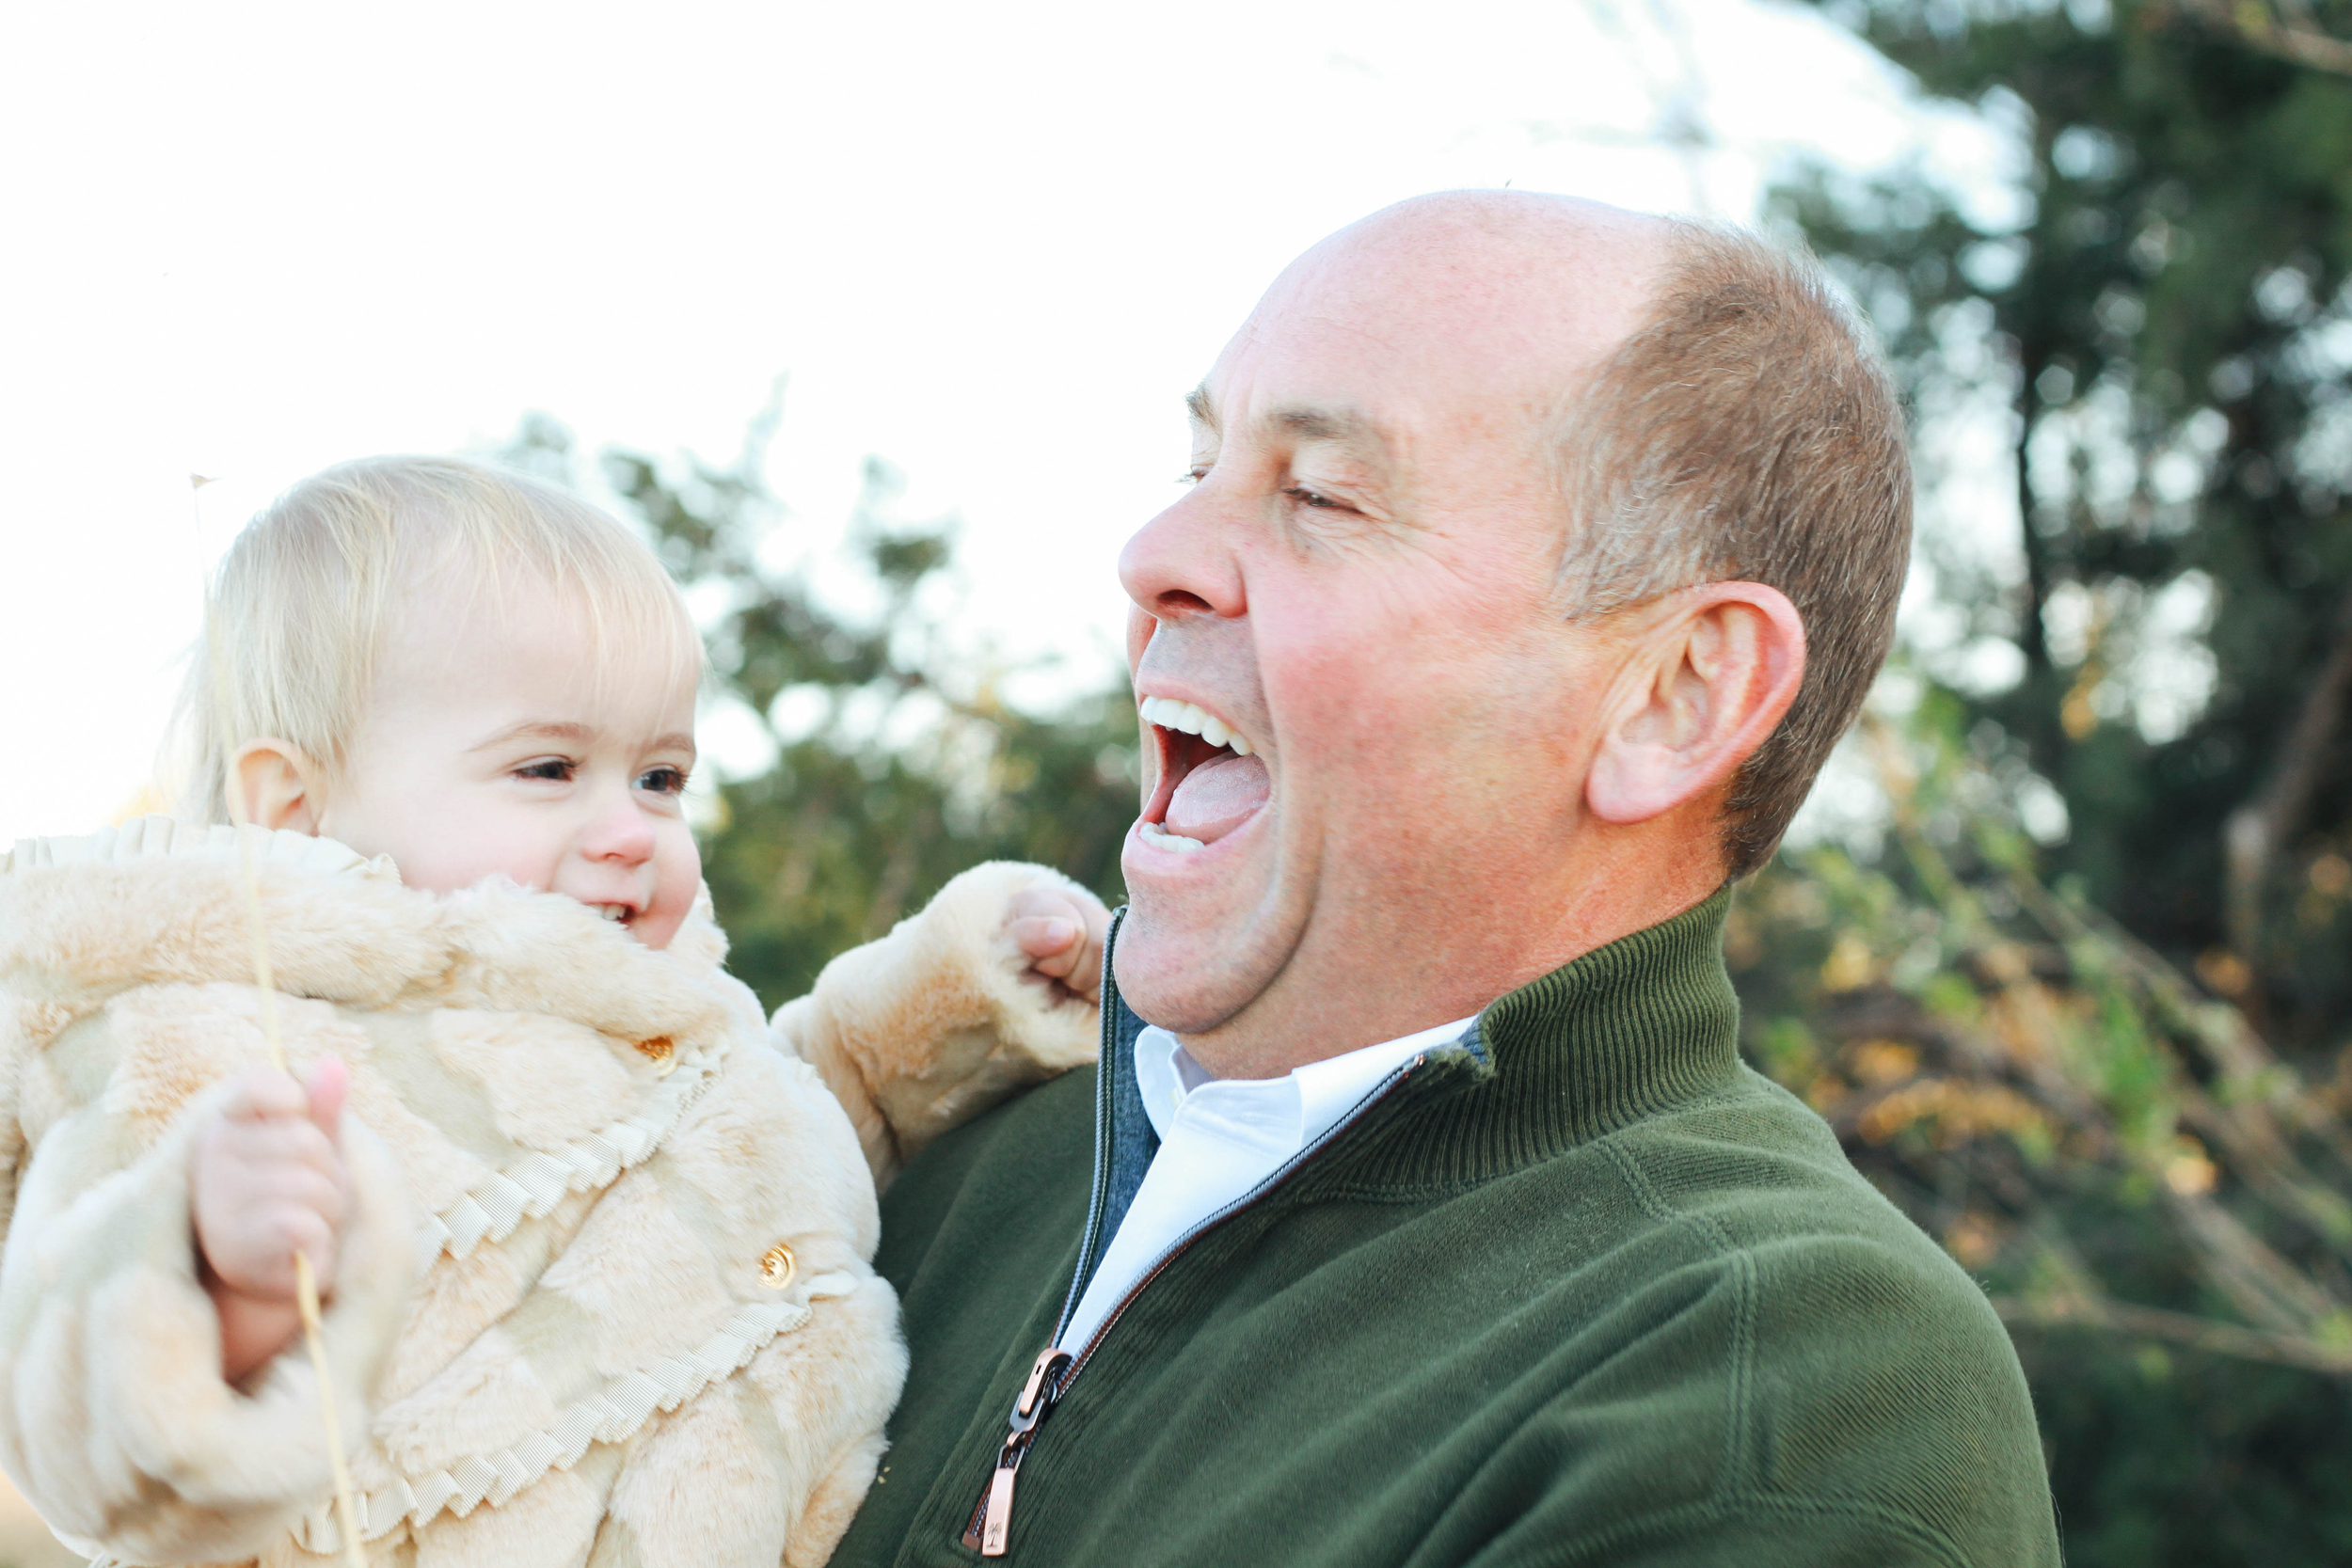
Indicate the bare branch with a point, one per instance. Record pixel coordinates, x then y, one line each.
2178 1328
2257 831
2288 31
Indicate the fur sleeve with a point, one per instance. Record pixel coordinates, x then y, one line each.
114 1417
934 1024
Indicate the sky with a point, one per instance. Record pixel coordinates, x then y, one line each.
992 245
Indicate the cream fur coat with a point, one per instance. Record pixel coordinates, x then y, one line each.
605 1296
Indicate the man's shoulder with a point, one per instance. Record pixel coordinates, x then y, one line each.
1854 1366
1749 1190
1756 1181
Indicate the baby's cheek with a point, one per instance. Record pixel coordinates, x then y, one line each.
673 893
464 854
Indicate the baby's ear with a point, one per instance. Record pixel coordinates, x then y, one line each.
278 785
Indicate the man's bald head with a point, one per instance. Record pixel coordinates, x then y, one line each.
1537 285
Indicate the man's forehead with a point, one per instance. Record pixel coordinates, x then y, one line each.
1497 291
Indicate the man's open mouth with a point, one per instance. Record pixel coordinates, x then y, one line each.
1211 780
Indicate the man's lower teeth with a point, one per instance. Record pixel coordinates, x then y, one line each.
1161 840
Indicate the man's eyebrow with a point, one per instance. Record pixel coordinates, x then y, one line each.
1337 426
1324 424
1197 404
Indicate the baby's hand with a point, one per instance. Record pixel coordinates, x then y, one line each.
1061 929
268 1181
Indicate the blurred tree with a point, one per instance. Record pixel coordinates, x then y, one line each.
2149 1169
897 762
2169 331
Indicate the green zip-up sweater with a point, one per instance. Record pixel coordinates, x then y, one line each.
1579 1288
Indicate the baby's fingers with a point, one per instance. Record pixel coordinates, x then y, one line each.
279 1230
262 1094
1060 931
330 1080
1054 944
279 1144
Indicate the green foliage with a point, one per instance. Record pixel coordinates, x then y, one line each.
905 765
2167 332
2150 1171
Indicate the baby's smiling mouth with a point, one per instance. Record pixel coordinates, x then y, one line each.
1210 779
621 913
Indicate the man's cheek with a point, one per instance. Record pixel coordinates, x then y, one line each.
1147 768
1140 630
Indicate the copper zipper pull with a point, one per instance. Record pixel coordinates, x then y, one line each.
995 1515
998 1516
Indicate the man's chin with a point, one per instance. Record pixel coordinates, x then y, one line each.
1194 949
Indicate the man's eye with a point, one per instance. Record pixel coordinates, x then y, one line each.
1305 496
663 781
555 768
1193 475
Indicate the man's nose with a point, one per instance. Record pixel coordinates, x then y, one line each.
620 830
1181 562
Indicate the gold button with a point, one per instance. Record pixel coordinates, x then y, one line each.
777 1266
663 1049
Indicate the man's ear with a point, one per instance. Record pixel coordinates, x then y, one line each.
1706 683
278 785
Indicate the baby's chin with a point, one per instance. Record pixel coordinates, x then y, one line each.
657 936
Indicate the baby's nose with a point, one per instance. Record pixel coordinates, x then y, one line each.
619 833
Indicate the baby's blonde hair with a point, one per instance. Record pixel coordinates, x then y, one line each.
298 609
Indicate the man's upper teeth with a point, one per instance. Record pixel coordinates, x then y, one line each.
1170 714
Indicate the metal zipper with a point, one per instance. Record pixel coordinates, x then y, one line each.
1055 1369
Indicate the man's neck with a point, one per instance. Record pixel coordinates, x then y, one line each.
1450 955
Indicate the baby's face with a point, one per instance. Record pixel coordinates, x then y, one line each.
497 743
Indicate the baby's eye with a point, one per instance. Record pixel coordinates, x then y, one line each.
559 769
663 781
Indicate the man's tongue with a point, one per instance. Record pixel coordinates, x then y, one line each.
1216 797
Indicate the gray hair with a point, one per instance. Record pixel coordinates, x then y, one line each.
1749 431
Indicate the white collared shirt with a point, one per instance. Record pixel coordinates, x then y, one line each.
1219 1138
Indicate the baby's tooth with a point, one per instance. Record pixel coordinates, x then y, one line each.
1212 730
